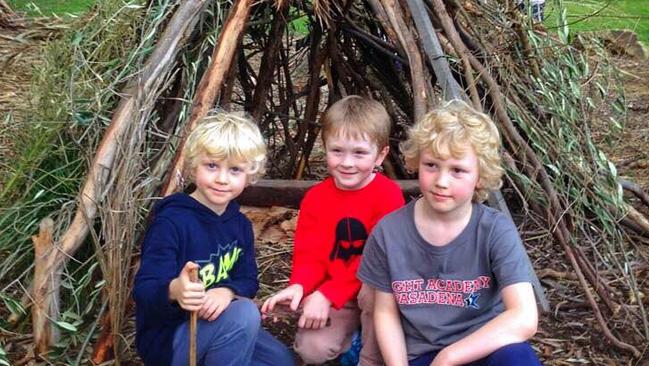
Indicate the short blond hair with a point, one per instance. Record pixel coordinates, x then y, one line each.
227 136
446 131
358 118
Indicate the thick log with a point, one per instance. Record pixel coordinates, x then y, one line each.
45 294
289 193
211 83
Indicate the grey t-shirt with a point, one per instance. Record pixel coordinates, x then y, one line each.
444 292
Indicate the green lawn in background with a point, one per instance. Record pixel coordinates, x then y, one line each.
594 15
583 15
49 7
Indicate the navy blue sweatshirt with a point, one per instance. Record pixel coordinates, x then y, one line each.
185 230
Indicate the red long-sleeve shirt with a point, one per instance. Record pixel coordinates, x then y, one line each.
332 227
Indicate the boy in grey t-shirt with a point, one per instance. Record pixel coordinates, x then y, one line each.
452 275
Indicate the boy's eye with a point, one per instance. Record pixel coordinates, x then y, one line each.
360 152
212 165
429 164
458 170
236 169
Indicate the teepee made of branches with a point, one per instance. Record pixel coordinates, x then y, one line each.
283 63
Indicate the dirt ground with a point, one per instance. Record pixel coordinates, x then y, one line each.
568 334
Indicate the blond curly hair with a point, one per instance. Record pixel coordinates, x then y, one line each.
447 132
227 136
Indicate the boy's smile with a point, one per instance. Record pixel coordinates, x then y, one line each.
218 182
351 162
448 185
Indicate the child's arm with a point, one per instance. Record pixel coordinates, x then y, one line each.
158 268
309 258
389 333
516 324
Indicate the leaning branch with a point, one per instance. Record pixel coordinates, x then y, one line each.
158 64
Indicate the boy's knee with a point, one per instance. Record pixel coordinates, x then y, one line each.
316 350
244 315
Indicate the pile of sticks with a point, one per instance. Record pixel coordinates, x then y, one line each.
410 55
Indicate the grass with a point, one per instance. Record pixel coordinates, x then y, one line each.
51 7
595 15
583 15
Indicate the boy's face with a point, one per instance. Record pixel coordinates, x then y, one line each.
448 184
218 181
351 162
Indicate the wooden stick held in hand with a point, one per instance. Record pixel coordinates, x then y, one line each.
193 319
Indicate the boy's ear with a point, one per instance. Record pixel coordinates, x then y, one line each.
383 153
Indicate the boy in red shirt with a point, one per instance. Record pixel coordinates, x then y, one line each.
336 216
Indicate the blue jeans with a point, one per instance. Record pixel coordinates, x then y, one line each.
517 354
234 338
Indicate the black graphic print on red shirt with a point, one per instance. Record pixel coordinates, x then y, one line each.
350 239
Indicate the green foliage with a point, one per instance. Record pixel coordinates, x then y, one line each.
49 7
300 23
572 97
595 15
73 93
576 92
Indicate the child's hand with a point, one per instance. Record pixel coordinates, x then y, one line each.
292 294
216 300
315 311
189 295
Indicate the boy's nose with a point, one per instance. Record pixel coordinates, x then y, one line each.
348 160
222 176
442 180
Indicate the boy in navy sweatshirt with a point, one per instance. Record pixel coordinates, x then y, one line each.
204 230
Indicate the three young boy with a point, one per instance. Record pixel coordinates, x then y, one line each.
450 275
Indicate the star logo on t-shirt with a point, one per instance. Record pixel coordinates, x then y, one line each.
472 301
